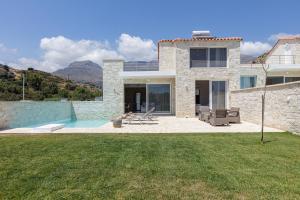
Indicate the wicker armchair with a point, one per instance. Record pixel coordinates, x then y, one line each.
204 113
234 115
219 117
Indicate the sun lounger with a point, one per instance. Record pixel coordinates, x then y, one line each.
144 117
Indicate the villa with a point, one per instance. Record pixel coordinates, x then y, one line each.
201 70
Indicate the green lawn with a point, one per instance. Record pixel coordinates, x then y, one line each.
203 166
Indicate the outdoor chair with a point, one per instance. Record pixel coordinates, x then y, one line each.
204 113
234 115
219 117
144 117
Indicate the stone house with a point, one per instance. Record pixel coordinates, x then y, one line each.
201 70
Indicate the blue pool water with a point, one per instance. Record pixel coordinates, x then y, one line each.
85 123
76 123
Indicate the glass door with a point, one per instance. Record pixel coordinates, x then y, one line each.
159 97
218 94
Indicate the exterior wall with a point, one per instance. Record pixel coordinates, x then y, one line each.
153 81
167 57
186 76
15 114
282 105
113 87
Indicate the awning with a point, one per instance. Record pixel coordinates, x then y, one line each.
147 74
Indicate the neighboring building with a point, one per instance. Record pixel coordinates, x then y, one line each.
202 70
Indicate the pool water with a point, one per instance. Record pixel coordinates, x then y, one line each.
85 123
68 123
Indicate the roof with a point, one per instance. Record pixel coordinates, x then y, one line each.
204 39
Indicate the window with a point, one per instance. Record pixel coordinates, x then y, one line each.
291 79
272 80
198 57
218 57
159 97
218 93
208 57
248 82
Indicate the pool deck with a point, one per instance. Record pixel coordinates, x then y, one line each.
162 124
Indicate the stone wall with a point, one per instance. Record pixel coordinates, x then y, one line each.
282 105
21 114
186 76
113 87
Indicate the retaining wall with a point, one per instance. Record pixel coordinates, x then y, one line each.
282 108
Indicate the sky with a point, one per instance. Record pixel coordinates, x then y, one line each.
50 34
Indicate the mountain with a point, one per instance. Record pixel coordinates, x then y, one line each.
82 72
247 59
41 85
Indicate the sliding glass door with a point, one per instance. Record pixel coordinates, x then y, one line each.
159 97
218 94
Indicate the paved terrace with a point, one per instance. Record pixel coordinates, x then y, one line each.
163 124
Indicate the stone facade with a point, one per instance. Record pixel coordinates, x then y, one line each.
113 87
282 105
186 77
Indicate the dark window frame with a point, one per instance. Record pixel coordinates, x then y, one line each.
208 57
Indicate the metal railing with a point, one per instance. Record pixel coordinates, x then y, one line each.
283 59
141 66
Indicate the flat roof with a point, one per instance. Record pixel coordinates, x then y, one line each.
147 74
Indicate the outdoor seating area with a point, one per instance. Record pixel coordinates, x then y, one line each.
219 117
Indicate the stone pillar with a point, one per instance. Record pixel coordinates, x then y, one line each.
113 87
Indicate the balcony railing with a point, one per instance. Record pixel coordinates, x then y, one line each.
283 59
141 66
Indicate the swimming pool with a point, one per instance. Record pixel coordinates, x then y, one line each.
71 123
85 123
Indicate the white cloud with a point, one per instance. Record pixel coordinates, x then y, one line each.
4 49
274 37
136 48
254 48
58 52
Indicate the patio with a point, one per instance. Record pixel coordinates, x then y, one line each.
162 124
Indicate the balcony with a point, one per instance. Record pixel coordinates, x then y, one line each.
141 66
208 63
283 59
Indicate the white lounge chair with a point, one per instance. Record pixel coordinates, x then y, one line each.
144 117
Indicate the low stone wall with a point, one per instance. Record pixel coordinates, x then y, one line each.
282 108
15 114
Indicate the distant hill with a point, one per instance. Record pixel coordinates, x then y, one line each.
247 59
41 85
82 72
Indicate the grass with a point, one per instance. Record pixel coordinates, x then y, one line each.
203 166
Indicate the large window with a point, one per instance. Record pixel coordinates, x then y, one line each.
159 97
272 80
218 91
208 57
291 79
248 82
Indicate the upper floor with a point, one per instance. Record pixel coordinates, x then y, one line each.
286 51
